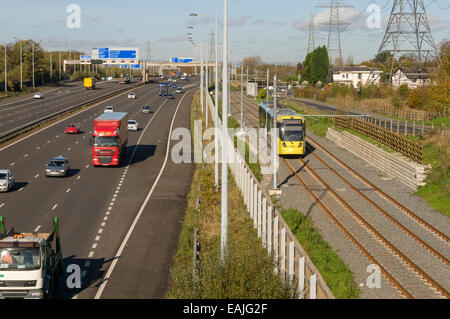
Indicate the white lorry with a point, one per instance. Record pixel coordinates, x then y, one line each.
30 263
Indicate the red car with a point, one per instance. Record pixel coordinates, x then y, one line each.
72 129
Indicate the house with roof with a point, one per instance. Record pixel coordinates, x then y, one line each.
413 77
356 75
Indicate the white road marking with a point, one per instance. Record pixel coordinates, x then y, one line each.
37 228
68 190
144 204
2 204
12 164
79 176
38 147
54 207
20 189
103 224
91 254
26 155
104 218
97 238
94 246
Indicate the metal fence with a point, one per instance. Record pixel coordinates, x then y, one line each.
401 144
293 264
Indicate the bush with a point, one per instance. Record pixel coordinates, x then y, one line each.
396 101
262 95
403 91
417 98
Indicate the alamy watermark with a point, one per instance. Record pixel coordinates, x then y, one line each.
74 19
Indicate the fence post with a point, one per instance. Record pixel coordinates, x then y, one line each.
264 222
269 229
406 128
301 277
275 241
391 125
414 128
250 189
255 205
398 127
312 286
283 253
258 222
423 128
291 262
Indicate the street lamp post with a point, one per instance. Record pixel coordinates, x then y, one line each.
274 133
224 215
6 73
216 100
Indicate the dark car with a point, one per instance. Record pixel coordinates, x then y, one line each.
170 96
58 166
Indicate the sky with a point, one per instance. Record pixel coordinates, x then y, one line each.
278 31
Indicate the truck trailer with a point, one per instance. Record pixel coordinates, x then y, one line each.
110 139
89 83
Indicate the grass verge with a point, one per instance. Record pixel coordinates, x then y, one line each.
248 271
336 274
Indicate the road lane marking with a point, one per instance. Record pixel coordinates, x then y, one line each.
20 189
2 204
12 164
36 176
54 207
91 254
144 204
68 190
37 228
97 238
94 246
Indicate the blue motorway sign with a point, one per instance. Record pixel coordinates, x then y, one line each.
103 53
181 60
136 66
124 66
122 54
85 57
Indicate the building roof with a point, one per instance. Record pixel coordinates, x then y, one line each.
354 69
414 73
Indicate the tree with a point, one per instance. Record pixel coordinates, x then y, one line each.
319 65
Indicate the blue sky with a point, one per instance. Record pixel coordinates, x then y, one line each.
275 30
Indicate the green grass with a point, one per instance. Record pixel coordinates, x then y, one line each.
336 274
436 192
439 121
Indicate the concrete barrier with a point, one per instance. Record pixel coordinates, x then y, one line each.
394 165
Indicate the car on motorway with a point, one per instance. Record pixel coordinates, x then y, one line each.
146 109
38 96
170 96
109 109
57 166
179 90
174 86
6 180
132 125
72 128
186 80
132 95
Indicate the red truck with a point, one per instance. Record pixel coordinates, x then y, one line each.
110 139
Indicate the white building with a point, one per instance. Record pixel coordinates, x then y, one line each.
355 76
413 77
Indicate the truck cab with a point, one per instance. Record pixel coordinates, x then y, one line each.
30 263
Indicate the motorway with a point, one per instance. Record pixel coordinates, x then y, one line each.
17 112
97 205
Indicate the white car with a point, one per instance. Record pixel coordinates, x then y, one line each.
38 96
132 125
6 180
109 109
132 95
